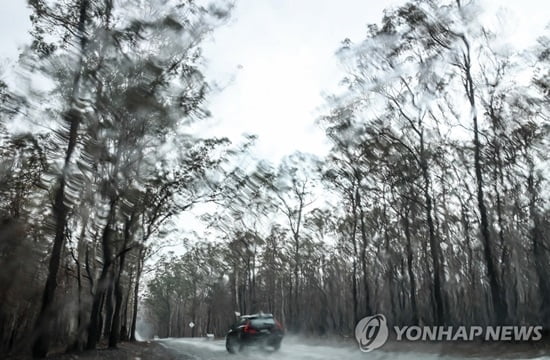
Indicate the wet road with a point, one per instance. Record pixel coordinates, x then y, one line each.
294 349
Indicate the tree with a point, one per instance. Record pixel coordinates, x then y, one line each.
118 104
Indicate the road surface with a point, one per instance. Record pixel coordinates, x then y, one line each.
295 349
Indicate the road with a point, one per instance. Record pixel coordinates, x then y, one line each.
294 349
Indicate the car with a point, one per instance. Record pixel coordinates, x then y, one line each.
257 329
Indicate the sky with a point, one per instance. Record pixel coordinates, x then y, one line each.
274 60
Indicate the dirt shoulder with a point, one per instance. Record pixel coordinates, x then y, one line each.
126 351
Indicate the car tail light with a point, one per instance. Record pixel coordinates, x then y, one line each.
248 329
278 324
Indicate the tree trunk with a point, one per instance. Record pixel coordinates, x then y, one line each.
435 249
109 299
125 335
42 332
114 335
136 294
94 328
492 273
354 292
78 343
410 271
364 245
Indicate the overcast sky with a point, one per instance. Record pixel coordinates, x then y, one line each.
274 60
281 53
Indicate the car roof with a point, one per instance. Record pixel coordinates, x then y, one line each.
254 316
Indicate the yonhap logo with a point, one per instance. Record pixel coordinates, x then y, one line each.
371 332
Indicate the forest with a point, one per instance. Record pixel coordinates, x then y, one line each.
432 206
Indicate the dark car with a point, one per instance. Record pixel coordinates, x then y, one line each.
258 329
